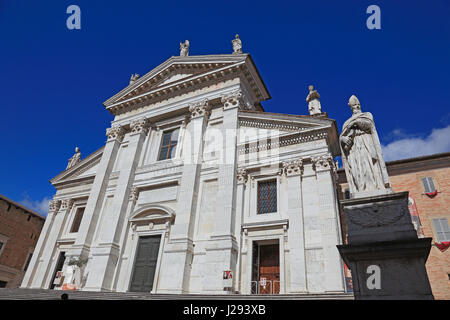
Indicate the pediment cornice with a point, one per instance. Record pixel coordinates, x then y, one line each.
197 71
73 174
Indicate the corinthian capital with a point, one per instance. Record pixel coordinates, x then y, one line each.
323 162
66 204
139 126
293 167
242 176
199 109
232 100
115 133
54 205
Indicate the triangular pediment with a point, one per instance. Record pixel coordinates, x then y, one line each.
178 74
84 169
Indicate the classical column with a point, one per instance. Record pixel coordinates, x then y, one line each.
123 262
328 212
88 224
175 268
33 277
242 178
222 248
106 252
44 272
296 241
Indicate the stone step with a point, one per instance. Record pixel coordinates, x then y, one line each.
42 294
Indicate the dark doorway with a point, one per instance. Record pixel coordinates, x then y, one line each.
59 266
266 269
145 264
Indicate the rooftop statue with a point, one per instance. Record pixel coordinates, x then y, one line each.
75 158
184 48
313 101
133 78
361 154
237 44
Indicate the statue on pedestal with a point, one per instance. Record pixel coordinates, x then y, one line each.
313 101
361 154
237 45
184 48
75 158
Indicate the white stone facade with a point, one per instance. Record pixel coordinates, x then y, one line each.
203 201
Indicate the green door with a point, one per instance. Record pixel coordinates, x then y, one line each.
145 264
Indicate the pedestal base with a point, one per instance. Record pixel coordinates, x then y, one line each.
384 254
402 273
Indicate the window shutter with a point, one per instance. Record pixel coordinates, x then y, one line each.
441 229
428 184
431 184
445 230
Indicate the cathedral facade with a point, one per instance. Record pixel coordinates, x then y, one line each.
198 190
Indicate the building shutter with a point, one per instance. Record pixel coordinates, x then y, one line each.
441 229
428 184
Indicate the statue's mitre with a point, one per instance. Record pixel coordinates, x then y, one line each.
353 101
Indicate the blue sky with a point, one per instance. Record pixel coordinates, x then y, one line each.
54 80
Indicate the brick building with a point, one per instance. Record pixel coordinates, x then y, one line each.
19 232
427 179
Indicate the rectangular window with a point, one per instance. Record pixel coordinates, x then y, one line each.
28 262
441 229
267 196
3 284
428 184
77 220
168 144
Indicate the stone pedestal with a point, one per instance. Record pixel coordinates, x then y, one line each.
385 256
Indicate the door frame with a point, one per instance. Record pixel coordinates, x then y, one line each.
281 249
138 235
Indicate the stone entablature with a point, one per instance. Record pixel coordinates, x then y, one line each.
283 140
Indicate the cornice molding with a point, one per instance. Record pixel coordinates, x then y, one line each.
283 140
143 92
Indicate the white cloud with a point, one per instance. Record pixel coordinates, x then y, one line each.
408 147
40 206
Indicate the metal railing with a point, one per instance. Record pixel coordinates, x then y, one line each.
265 287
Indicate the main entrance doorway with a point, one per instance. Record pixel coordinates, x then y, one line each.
59 267
266 268
145 264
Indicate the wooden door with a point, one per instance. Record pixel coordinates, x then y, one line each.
269 269
145 264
